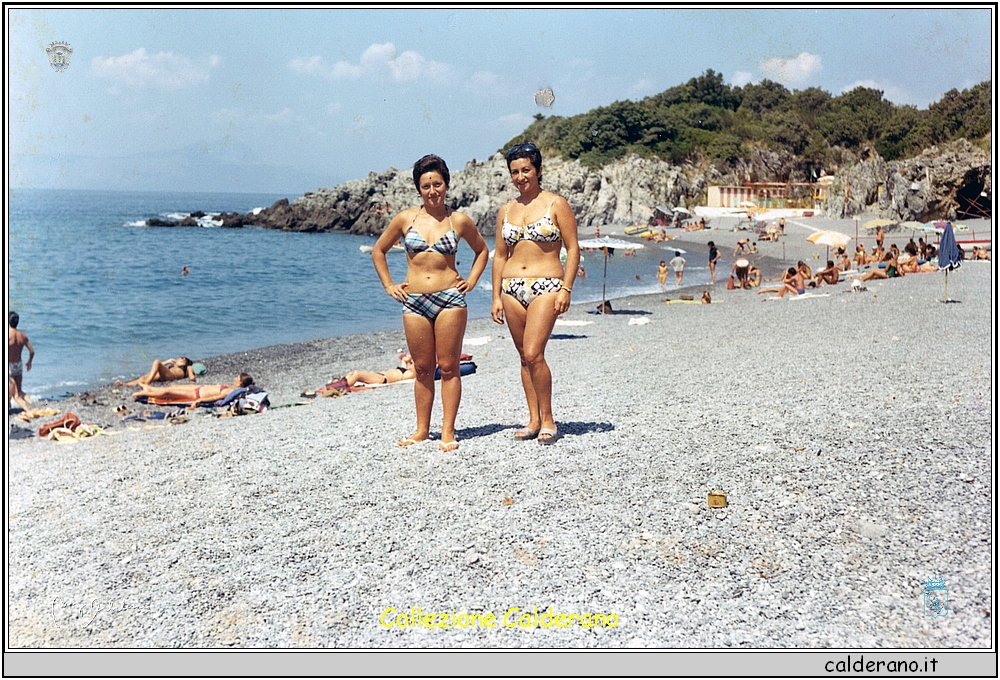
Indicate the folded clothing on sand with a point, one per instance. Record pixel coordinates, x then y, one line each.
70 421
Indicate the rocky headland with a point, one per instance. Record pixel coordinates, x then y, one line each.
937 184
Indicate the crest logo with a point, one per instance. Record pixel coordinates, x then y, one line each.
59 53
935 598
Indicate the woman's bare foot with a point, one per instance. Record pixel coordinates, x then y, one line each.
414 438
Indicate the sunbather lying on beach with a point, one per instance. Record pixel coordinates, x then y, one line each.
164 371
402 372
980 253
195 394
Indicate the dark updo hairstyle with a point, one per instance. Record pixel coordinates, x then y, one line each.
13 319
526 150
244 380
430 163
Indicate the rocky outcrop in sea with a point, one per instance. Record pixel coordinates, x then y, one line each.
932 185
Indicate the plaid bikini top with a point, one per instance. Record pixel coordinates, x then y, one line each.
543 230
413 242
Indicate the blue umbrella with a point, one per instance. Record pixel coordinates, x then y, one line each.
949 256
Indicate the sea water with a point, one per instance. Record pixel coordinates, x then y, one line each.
100 295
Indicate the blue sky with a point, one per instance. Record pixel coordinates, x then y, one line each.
291 100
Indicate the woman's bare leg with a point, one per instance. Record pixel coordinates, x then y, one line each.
449 331
152 376
516 316
539 321
420 340
366 377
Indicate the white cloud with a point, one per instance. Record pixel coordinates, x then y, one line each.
163 69
378 58
484 82
280 115
517 121
741 78
794 71
313 64
891 93
642 87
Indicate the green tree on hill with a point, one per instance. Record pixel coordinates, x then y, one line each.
706 118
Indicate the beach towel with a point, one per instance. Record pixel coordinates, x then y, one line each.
808 296
476 341
144 416
561 322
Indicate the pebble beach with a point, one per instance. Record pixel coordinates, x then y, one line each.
850 431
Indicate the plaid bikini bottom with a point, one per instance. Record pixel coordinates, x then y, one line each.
429 305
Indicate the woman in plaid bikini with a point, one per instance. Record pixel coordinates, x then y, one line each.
433 294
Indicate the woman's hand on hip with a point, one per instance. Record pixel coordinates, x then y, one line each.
497 311
397 292
461 285
562 301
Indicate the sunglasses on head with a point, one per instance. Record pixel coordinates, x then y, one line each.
521 147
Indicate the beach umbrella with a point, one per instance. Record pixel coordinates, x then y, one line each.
604 243
875 224
829 239
948 256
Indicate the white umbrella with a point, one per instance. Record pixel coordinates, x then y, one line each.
604 243
828 239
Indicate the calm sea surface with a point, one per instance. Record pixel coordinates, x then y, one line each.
101 296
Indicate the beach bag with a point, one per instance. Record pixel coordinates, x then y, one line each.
255 400
732 283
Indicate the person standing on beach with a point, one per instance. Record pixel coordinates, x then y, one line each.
713 258
678 264
530 286
661 274
16 342
433 293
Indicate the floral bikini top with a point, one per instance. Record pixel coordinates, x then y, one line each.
543 230
413 242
